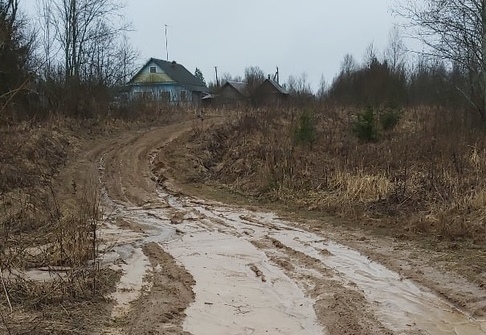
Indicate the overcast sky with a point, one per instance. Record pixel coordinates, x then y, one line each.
306 36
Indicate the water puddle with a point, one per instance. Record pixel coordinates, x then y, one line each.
238 291
399 303
122 248
130 285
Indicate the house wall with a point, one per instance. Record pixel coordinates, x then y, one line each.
172 93
145 77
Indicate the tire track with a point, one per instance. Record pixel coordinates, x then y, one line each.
246 272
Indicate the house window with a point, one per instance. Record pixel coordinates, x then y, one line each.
153 69
183 96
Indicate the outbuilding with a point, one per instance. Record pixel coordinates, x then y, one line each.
270 93
233 93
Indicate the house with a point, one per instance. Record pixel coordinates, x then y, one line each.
168 82
270 93
232 93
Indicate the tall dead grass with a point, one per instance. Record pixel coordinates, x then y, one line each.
48 223
44 230
427 174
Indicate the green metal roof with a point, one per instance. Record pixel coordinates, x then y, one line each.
179 74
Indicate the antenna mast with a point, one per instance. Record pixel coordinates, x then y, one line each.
276 77
217 80
166 43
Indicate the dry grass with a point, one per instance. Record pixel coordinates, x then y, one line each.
427 175
43 221
49 223
51 308
37 231
49 226
361 186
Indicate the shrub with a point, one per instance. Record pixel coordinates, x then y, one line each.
365 125
305 133
390 117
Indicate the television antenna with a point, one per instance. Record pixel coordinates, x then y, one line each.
166 41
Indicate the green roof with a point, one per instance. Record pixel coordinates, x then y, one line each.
179 74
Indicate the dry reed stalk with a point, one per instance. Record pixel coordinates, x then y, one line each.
362 186
5 323
431 166
6 292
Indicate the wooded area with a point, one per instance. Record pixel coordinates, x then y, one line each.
75 60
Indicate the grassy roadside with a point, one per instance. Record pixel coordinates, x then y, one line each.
421 182
50 216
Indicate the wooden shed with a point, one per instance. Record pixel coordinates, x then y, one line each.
270 93
232 93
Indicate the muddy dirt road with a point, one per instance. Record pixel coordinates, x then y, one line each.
192 266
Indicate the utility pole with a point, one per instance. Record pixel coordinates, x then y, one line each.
217 80
166 43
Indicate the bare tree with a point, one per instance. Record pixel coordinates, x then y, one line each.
322 90
226 76
455 31
16 56
299 85
86 52
126 56
9 8
254 76
348 65
395 51
46 36
300 89
110 62
79 27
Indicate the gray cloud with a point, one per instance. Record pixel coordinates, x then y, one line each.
310 36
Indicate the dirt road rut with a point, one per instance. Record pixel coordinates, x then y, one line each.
197 267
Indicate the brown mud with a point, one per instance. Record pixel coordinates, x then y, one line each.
193 266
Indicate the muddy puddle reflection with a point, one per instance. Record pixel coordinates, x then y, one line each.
239 290
398 303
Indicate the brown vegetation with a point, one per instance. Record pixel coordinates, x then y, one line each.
43 230
421 177
49 222
425 176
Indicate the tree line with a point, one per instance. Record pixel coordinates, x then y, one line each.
78 53
450 71
69 61
375 81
